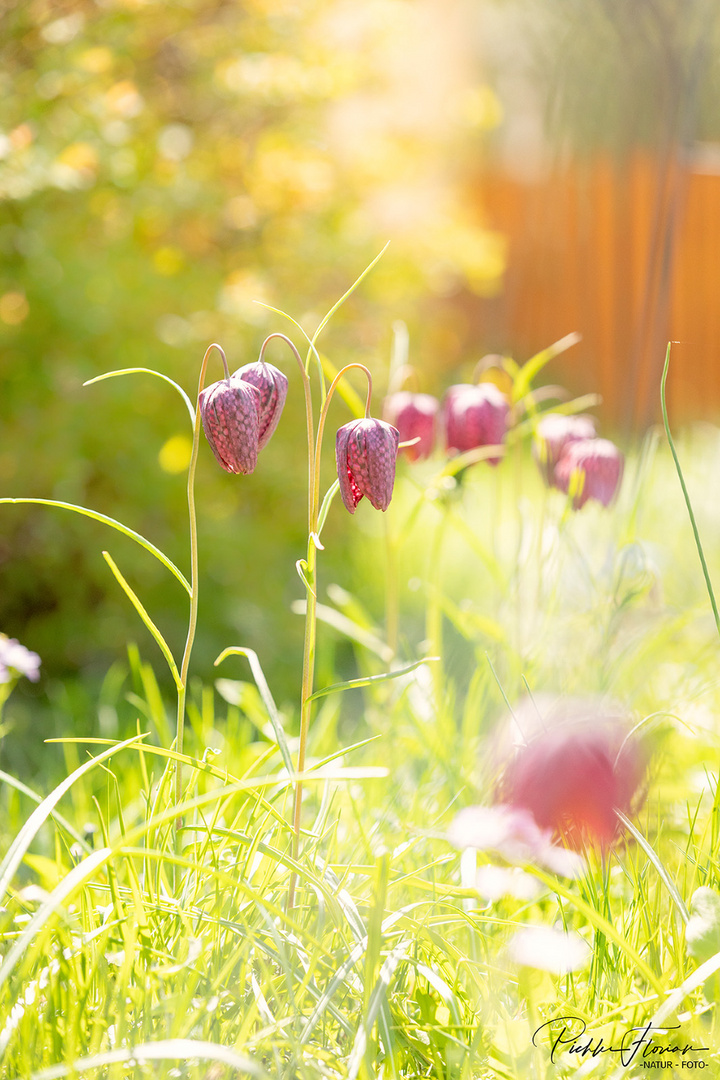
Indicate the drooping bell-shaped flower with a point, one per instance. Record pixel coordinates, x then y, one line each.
273 387
590 469
229 412
554 433
414 416
366 452
475 416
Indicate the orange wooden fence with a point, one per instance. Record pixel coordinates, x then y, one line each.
628 254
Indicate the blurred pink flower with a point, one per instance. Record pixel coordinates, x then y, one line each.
554 432
572 776
365 454
414 416
595 465
475 416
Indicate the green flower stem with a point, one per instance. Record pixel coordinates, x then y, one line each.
308 675
192 624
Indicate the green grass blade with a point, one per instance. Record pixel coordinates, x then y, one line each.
105 520
165 1050
136 603
12 781
339 303
655 860
326 504
696 534
269 702
27 834
147 371
536 363
370 680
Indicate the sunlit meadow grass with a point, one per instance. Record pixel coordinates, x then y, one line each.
131 949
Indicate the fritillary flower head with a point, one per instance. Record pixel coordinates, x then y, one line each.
414 415
272 385
590 469
554 433
574 772
475 416
229 412
365 453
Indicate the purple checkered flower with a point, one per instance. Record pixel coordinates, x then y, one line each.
366 452
554 433
273 387
590 469
229 411
475 416
414 417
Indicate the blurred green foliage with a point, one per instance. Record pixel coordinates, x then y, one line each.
162 167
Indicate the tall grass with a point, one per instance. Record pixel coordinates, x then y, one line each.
127 951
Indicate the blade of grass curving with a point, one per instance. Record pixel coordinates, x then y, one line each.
261 682
377 999
179 1050
535 364
370 680
332 617
147 371
339 303
12 781
105 520
696 534
655 860
136 603
326 504
16 851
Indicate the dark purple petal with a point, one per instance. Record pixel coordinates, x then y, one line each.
348 488
598 463
414 416
273 387
229 412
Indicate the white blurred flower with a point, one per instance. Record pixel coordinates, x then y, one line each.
494 882
16 660
513 833
548 949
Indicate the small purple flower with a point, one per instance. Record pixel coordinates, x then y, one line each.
554 433
16 660
365 452
475 416
592 469
273 387
414 417
229 411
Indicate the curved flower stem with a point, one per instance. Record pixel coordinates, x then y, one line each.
192 624
311 597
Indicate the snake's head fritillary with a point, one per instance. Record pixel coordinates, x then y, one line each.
366 452
273 387
590 469
475 416
229 412
414 416
554 433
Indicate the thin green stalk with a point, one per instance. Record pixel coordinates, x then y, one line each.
308 674
696 534
192 622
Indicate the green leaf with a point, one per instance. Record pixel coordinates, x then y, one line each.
135 601
147 371
326 504
268 700
105 520
536 363
370 680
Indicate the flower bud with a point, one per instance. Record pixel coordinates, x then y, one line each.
475 416
365 452
229 412
592 469
414 417
273 387
553 434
